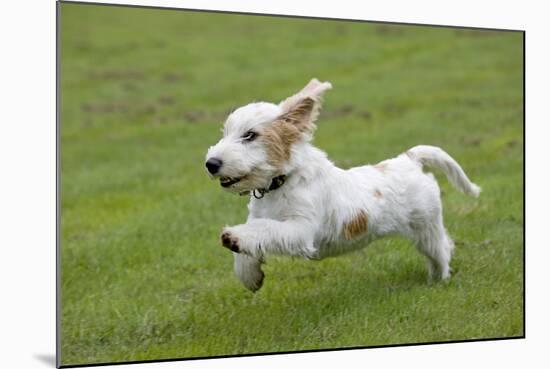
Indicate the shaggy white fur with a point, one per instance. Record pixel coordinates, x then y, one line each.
321 210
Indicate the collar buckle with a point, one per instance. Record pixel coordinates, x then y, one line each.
275 184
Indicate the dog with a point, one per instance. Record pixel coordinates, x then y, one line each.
301 204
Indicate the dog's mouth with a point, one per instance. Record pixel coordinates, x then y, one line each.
229 181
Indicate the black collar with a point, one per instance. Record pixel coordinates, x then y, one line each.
275 184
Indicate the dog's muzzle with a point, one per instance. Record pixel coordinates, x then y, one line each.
228 181
213 165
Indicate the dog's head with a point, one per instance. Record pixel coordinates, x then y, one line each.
258 139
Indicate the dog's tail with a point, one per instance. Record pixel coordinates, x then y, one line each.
434 157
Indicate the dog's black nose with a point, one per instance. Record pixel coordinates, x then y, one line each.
213 165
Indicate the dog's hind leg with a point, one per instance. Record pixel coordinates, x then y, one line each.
249 271
434 243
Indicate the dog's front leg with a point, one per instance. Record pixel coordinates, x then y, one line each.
249 271
259 237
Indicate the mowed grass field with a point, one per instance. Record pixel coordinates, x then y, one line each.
144 94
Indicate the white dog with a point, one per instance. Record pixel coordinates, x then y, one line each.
301 204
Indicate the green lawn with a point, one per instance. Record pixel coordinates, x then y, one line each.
143 95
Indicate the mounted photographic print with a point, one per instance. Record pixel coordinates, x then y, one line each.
236 184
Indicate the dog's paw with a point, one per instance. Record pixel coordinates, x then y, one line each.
254 281
249 271
258 283
242 240
230 241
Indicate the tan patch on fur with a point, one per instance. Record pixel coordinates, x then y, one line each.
278 138
409 154
382 166
298 119
377 194
301 115
357 226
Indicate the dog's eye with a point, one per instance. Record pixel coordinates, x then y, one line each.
249 136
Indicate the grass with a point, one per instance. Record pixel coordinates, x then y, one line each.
143 95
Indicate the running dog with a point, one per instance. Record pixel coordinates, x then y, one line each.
301 204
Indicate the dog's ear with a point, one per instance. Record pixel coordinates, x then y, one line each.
302 109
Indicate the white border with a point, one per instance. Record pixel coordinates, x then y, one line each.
28 182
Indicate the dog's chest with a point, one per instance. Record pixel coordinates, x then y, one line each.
267 208
278 206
